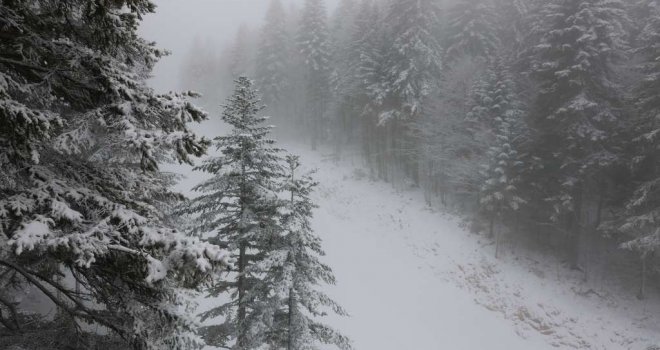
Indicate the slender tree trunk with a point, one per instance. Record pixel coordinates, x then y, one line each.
241 340
576 230
491 224
498 241
642 283
314 135
242 336
599 210
291 341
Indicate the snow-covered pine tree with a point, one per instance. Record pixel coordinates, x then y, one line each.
238 208
295 273
412 68
450 154
342 124
367 69
472 30
500 193
273 56
642 212
577 112
413 59
313 43
81 196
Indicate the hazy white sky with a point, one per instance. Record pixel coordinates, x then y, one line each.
177 23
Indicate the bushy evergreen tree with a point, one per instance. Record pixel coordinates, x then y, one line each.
342 119
358 77
500 192
313 43
273 56
641 214
472 30
413 59
577 113
81 196
295 273
238 208
451 154
411 68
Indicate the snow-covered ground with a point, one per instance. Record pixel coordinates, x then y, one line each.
413 279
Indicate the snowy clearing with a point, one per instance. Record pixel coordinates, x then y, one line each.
412 278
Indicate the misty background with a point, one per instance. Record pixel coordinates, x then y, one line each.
357 174
176 25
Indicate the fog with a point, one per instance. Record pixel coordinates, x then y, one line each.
330 174
178 23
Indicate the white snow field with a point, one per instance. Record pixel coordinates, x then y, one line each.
413 279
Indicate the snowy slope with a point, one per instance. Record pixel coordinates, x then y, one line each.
412 278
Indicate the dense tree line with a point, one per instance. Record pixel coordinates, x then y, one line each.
533 116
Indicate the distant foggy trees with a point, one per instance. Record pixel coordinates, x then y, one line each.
273 56
532 115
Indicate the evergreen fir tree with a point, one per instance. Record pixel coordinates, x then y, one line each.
512 22
413 60
642 211
81 194
313 43
577 113
343 122
411 70
500 190
363 93
273 55
472 30
451 154
238 206
295 272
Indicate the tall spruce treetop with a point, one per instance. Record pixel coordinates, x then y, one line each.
340 38
273 55
81 138
512 21
313 37
413 60
238 207
365 53
313 43
472 30
295 272
576 112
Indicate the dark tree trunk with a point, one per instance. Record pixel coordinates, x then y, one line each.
242 336
575 231
291 341
642 282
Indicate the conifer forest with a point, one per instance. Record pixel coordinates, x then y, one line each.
329 174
